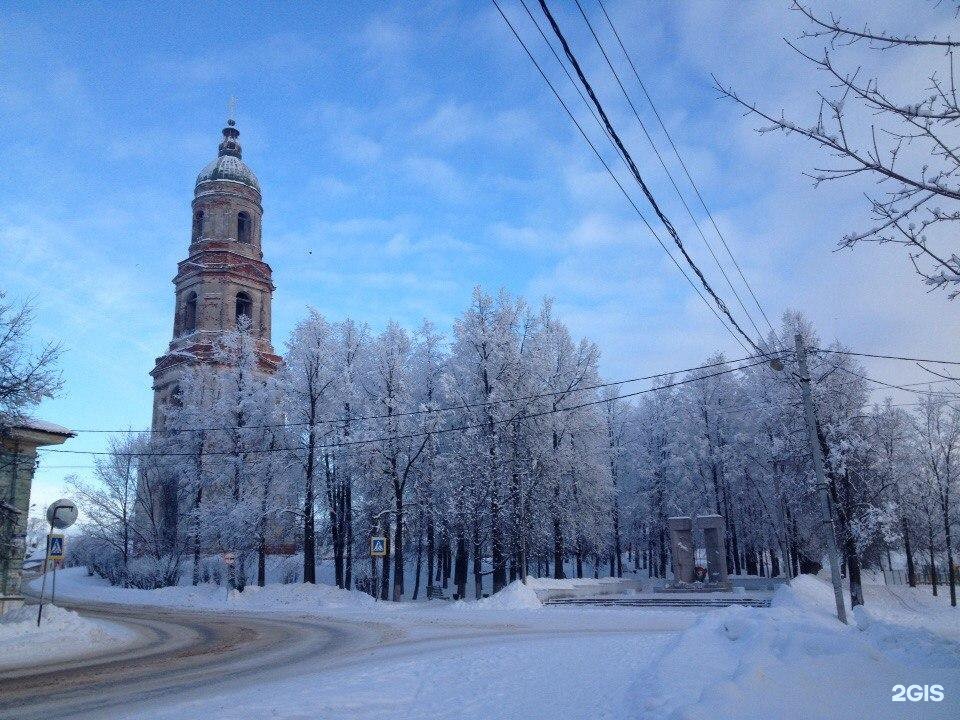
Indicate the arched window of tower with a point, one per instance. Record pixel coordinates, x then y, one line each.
190 313
197 225
243 227
244 307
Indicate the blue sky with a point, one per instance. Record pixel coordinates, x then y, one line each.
407 153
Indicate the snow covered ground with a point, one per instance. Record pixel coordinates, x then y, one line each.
62 635
523 660
795 660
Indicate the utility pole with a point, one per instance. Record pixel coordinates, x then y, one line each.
821 477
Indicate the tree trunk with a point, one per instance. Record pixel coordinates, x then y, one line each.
385 575
477 562
333 506
309 536
460 572
663 553
751 560
262 561
431 549
911 570
348 508
557 549
196 542
416 583
398 548
951 571
373 578
933 560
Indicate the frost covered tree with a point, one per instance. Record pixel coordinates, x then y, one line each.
310 378
26 377
396 456
894 136
110 503
503 454
938 445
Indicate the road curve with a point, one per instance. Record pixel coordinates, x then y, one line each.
179 655
176 654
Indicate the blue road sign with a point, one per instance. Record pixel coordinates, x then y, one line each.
55 546
378 546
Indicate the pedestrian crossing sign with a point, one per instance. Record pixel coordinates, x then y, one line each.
55 546
378 546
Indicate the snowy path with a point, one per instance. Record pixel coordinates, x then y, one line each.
299 652
190 664
561 675
175 655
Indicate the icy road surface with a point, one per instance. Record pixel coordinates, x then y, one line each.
294 652
232 665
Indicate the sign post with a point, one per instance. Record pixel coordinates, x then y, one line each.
61 515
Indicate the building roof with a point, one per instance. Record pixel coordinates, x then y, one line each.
231 169
28 423
229 165
29 433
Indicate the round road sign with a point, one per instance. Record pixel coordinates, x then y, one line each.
62 513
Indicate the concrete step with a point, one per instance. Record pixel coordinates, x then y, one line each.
664 602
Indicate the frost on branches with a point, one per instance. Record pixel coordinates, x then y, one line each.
499 452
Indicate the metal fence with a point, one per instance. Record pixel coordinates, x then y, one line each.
923 576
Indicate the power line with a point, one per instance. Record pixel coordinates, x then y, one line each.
438 431
904 388
446 408
663 164
885 357
639 178
566 72
613 176
683 165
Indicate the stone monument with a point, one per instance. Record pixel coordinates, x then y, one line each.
683 551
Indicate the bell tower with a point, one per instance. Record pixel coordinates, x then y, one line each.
224 281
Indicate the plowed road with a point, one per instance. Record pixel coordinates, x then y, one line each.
178 654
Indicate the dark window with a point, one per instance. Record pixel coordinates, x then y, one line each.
244 306
190 313
243 227
197 225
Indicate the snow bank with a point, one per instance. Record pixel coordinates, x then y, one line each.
515 596
75 584
62 635
300 596
566 584
795 661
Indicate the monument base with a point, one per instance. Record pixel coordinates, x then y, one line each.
696 587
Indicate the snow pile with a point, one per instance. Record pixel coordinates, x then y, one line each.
62 634
75 584
300 596
515 596
785 661
566 584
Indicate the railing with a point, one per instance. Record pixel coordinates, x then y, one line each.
922 576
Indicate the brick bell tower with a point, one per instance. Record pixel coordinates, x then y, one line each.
224 276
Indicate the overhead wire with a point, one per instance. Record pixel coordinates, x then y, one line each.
663 164
671 230
614 177
683 165
422 434
445 408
